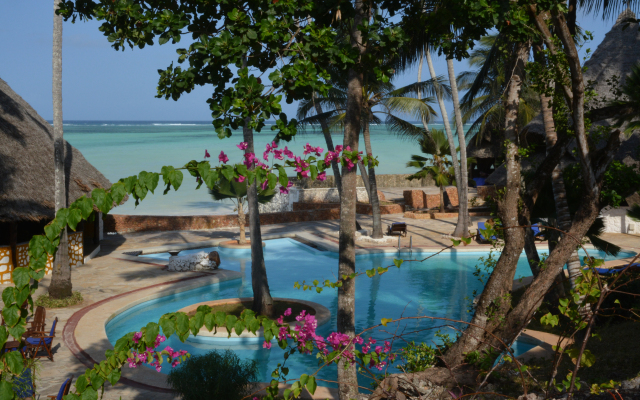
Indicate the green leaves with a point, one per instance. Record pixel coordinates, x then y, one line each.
14 361
171 177
102 200
385 321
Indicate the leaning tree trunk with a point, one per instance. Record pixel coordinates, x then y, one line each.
492 300
60 286
460 226
462 229
262 301
241 223
327 137
563 216
373 186
347 373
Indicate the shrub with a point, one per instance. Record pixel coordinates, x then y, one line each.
215 375
48 302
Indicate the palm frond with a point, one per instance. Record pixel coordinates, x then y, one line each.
404 129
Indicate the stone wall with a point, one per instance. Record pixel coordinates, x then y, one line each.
383 180
144 223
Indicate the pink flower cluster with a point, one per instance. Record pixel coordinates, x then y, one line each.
305 333
149 355
301 166
308 149
285 190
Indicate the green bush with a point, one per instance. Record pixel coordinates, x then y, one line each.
215 375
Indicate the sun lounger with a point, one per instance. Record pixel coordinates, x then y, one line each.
537 233
480 237
479 181
399 227
635 267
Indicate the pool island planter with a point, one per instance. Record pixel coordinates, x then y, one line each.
321 313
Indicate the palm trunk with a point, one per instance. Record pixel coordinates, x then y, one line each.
501 280
327 137
441 199
347 373
60 286
424 121
262 301
462 228
241 222
373 187
365 178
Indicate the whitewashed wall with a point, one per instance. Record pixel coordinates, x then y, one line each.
617 221
284 202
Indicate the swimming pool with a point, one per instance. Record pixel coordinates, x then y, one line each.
441 286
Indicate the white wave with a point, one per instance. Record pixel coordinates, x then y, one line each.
177 124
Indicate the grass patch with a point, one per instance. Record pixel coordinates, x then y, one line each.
279 307
48 302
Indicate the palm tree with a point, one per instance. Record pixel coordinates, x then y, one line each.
483 104
378 98
437 166
237 192
60 286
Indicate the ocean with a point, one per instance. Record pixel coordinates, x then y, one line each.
120 149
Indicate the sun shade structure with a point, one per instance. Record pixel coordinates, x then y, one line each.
27 182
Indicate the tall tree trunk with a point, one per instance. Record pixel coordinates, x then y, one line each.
373 186
462 228
262 301
241 222
60 286
441 199
327 137
347 373
493 300
424 121
563 216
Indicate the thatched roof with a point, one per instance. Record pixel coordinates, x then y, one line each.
27 166
614 57
484 149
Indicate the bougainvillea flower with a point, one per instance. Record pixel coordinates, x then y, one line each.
243 145
223 157
206 154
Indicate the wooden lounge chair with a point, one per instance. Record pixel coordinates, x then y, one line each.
64 390
38 341
480 237
37 323
399 227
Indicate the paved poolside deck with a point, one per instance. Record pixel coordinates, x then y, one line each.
113 278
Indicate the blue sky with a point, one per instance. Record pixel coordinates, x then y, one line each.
100 83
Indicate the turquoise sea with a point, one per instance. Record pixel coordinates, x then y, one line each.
121 149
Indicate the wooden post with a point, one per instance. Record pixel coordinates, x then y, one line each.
13 241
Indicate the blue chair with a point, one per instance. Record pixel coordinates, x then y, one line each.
479 181
23 384
480 236
537 233
37 341
64 390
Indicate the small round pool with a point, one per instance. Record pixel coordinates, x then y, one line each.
442 286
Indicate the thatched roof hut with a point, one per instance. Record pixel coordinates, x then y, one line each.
27 167
611 62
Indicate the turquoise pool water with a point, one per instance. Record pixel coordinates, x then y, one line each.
441 286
